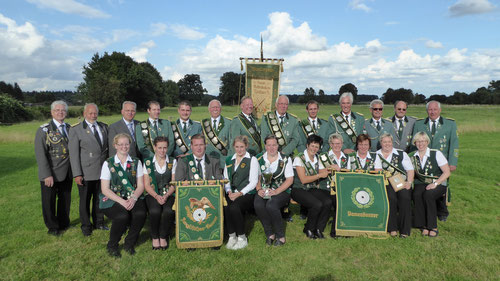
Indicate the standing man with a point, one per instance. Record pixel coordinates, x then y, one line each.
216 130
347 123
245 124
148 130
377 126
283 125
54 171
443 135
126 125
183 129
197 165
403 125
314 125
88 149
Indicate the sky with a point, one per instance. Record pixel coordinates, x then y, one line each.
429 46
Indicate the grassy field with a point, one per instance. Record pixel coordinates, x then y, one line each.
468 247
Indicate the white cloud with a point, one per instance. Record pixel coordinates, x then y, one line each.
185 32
71 7
139 53
359 5
470 7
433 44
18 40
158 29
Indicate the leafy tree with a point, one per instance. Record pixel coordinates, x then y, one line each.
419 99
171 92
390 96
13 110
12 90
439 98
309 94
349 87
191 88
322 98
231 85
458 98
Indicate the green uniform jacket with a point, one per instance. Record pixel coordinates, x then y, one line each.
323 129
141 133
194 128
290 131
374 134
358 121
222 133
238 129
445 139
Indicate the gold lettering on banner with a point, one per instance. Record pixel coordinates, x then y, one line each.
363 215
262 95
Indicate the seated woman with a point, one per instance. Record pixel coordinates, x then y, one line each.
335 160
269 201
306 188
362 159
160 198
396 161
122 183
432 171
242 171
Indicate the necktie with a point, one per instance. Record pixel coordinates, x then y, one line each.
433 128
252 122
184 128
96 135
215 125
155 126
131 129
281 121
378 126
314 125
400 131
63 131
200 169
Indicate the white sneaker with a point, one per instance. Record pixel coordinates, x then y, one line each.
231 242
242 243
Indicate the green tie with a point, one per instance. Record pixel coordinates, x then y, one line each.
400 131
314 125
215 125
281 121
155 126
433 128
184 129
378 126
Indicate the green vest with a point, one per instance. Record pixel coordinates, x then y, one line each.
430 170
279 174
160 181
116 184
241 177
356 164
396 161
310 170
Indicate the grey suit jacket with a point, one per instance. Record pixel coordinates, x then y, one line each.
212 169
404 142
52 153
374 134
86 156
120 127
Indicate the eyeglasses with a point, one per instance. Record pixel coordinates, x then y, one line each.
377 109
402 109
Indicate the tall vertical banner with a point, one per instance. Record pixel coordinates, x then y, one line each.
362 204
263 83
199 216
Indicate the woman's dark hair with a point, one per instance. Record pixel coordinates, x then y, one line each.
160 139
270 137
314 139
361 138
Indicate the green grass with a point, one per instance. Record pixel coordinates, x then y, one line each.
467 249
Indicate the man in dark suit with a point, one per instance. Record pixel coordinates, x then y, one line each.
403 125
88 149
198 165
126 125
54 173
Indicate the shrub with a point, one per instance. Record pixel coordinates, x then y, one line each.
12 110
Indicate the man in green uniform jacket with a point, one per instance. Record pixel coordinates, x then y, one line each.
184 128
216 130
245 124
314 125
147 131
377 126
347 123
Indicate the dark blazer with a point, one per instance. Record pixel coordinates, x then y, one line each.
212 169
51 152
404 142
86 156
120 127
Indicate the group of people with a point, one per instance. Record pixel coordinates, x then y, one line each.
125 170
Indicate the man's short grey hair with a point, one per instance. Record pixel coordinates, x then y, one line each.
220 104
348 95
398 101
432 101
377 101
90 104
57 102
245 98
287 100
129 102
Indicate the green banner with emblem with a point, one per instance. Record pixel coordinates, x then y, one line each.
362 204
199 216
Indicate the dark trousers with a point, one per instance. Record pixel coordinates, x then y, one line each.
334 220
235 213
161 217
269 213
318 204
121 219
56 202
90 191
399 210
425 205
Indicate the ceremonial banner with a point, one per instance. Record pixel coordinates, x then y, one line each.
262 84
362 204
199 216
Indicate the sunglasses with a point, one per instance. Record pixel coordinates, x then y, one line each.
402 109
377 109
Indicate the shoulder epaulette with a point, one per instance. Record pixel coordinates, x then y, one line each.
360 114
44 125
418 119
293 115
76 124
451 119
230 119
194 121
387 119
413 117
99 122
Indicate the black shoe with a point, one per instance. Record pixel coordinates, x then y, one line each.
303 217
319 234
309 234
130 250
54 232
279 243
333 234
442 218
156 248
269 241
87 233
114 252
213 248
102 227
403 236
